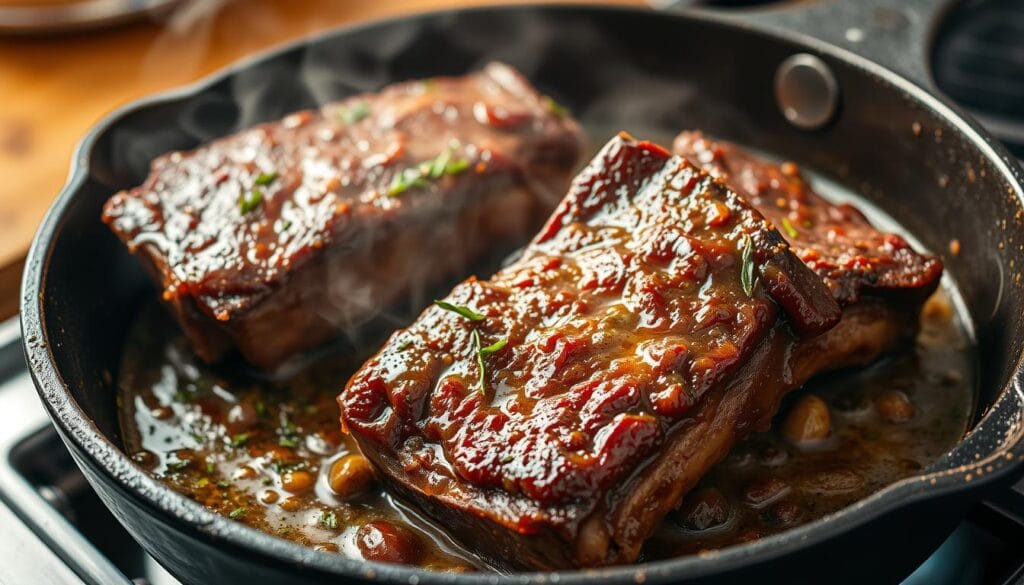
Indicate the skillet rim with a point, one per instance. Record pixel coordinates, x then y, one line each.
192 518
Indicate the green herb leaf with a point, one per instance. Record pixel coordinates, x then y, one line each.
239 440
282 466
788 226
355 113
460 310
494 347
405 345
223 484
417 176
555 107
290 442
178 464
440 164
210 467
403 182
283 226
747 269
202 482
237 513
260 408
456 166
481 354
329 520
266 178
250 201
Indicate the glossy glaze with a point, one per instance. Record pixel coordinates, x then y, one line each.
618 317
176 409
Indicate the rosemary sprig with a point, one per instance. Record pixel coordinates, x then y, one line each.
747 269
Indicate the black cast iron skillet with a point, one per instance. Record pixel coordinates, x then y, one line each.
904 148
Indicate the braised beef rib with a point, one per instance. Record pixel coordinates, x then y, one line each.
274 239
550 416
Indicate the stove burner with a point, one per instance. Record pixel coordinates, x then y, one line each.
978 61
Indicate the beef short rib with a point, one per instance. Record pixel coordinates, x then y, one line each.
550 416
834 240
274 239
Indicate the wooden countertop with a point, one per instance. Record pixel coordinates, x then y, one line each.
55 87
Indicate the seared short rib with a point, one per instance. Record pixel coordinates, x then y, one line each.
834 240
276 238
575 397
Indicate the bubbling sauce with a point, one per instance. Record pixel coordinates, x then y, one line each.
261 451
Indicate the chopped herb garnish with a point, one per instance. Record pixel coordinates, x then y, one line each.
788 226
178 464
460 310
210 467
355 113
250 201
555 107
405 345
440 164
202 482
417 176
483 353
239 440
223 484
747 269
328 520
266 178
238 513
260 408
198 438
288 434
285 225
456 166
494 347
281 466
404 181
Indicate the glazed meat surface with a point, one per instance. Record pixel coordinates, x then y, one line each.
834 240
277 238
554 420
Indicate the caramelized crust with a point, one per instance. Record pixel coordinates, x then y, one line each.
276 238
834 240
627 316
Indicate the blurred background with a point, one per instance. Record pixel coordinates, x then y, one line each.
64 64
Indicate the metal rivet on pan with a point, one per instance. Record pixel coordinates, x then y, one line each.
806 91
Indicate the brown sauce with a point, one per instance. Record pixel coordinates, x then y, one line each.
260 451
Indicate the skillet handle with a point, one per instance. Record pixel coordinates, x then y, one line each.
896 34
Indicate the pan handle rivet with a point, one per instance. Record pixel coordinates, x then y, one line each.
806 91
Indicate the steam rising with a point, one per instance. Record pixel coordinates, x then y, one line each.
600 77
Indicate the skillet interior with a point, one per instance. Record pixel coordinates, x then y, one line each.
651 74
